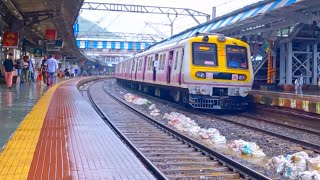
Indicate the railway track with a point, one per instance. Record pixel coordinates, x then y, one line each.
170 154
304 144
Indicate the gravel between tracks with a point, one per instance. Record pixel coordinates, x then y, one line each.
272 146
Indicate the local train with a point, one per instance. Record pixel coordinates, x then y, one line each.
206 71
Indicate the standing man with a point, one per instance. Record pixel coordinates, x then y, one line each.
52 69
8 70
44 70
19 67
31 70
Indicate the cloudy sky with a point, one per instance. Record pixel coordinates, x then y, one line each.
135 22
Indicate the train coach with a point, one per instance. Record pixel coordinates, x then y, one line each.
207 71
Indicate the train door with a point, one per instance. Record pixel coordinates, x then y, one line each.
180 63
144 69
136 68
132 69
169 67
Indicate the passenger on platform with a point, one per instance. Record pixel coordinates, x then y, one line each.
67 73
25 70
31 70
8 65
52 69
19 66
44 70
298 85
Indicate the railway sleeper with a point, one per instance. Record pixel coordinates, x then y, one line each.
196 170
171 142
188 150
172 154
217 175
165 146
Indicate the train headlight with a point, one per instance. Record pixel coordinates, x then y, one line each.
242 77
205 90
201 75
222 38
244 91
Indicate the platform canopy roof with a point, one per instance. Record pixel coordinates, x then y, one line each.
255 18
32 17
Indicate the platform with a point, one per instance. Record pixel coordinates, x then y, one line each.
15 105
64 138
308 101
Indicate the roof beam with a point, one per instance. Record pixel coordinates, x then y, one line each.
12 8
145 9
120 35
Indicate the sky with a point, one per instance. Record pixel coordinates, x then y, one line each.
135 22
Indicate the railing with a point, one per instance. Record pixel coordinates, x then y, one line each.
257 64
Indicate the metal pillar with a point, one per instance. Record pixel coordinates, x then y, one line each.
289 64
283 60
308 65
315 65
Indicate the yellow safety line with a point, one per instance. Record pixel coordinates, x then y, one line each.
17 155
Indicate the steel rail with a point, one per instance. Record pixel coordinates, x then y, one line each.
156 172
243 170
305 144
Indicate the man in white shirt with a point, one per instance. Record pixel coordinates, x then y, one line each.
52 69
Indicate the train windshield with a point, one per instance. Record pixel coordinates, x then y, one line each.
237 57
204 54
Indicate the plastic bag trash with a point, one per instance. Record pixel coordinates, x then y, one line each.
173 122
236 144
140 101
204 135
296 163
277 164
248 148
307 175
212 132
129 97
258 154
152 107
155 112
245 149
194 131
313 164
218 139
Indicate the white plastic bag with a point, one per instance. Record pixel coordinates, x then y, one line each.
313 164
218 139
258 154
277 164
307 175
296 163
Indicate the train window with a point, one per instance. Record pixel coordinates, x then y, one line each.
204 54
164 61
237 57
176 60
152 63
132 65
160 62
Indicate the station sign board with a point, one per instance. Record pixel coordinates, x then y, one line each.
37 52
10 39
51 34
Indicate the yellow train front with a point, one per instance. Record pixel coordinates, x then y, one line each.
218 73
208 71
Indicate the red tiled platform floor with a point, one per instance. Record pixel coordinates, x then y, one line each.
75 143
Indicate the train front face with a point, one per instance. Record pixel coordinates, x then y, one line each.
219 73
